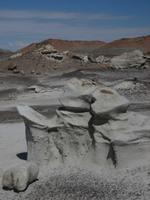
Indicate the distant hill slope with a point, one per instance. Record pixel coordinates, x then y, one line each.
126 44
64 45
4 53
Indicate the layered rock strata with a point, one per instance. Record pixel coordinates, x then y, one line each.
91 126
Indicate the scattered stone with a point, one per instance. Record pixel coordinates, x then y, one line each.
108 103
19 177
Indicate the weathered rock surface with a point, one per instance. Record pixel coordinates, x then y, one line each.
130 136
108 103
49 52
102 59
47 49
20 176
92 125
83 58
75 104
134 59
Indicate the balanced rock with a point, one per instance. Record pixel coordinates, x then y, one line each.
91 125
107 104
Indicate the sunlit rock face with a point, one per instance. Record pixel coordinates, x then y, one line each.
91 125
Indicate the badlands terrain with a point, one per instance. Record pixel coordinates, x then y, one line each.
100 94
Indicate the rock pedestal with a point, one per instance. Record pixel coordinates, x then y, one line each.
93 126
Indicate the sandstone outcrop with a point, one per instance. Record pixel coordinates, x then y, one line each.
91 125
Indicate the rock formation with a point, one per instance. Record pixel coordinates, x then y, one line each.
49 52
134 59
20 176
92 125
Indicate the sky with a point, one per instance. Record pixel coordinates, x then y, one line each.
26 21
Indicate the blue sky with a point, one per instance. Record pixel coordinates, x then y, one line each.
26 21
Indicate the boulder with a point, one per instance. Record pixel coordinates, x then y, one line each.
108 103
20 176
134 59
130 136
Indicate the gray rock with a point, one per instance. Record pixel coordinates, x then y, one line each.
81 57
75 104
20 176
102 59
80 87
53 141
74 118
108 103
91 126
130 135
134 59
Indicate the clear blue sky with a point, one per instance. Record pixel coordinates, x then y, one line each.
26 21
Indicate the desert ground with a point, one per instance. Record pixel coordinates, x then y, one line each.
42 92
